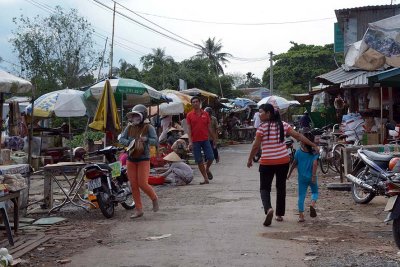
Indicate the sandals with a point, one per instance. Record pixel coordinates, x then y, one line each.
279 219
268 218
210 176
300 220
313 212
202 183
137 215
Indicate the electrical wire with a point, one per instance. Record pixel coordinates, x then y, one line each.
155 24
236 23
148 27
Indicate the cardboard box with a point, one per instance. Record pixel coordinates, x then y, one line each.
371 139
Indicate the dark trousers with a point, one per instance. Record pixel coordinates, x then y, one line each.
267 173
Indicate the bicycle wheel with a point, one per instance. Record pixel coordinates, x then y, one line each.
324 165
337 156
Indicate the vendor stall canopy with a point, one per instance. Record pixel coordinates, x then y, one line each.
13 84
129 92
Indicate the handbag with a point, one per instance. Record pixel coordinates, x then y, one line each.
136 147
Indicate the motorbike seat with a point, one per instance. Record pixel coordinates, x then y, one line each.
103 166
325 137
381 160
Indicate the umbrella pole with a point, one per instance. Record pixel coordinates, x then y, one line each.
1 115
70 138
122 109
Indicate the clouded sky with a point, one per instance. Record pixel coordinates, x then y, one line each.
282 22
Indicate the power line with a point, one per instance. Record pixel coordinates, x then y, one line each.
155 23
148 27
236 23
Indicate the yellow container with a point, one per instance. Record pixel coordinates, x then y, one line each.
92 198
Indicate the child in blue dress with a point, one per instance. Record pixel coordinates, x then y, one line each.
306 161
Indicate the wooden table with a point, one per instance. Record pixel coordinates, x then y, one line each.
14 197
50 173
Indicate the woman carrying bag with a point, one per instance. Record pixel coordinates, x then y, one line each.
138 136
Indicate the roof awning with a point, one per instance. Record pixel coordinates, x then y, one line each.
386 78
347 79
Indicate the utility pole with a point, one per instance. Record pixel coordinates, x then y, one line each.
112 42
271 73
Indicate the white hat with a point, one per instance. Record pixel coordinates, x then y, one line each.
172 157
185 136
172 129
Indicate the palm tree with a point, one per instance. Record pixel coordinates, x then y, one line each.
158 57
211 49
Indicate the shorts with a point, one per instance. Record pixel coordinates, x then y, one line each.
207 149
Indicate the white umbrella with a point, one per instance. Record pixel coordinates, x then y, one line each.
62 103
13 84
277 101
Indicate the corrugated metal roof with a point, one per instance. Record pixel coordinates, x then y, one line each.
353 78
366 8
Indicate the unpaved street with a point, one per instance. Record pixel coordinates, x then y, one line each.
221 225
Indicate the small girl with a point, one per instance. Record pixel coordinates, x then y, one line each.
306 161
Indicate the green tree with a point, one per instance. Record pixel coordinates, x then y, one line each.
298 67
127 70
159 70
252 81
211 49
56 51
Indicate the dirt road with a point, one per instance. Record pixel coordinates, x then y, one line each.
221 225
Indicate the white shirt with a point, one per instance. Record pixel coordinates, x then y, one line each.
256 120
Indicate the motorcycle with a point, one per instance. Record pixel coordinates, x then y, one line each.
369 176
289 147
377 177
109 191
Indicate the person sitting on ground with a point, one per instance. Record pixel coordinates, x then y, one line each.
173 135
178 173
306 161
180 146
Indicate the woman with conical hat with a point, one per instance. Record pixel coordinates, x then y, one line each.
179 173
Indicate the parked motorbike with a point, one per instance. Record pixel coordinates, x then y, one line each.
369 176
110 191
375 176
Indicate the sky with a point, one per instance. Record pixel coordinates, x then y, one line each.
308 22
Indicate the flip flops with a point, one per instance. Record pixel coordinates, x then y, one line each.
202 183
279 219
313 212
210 176
268 218
300 220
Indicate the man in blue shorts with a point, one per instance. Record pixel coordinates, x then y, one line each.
200 132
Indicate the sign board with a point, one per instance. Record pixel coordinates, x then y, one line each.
116 169
339 41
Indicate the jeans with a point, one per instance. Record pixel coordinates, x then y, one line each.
215 151
207 149
267 173
304 182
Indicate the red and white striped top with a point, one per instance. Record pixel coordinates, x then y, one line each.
274 152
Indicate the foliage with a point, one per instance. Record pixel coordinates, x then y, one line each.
159 70
56 51
211 49
295 69
129 71
81 139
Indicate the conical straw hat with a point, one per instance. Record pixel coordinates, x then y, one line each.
172 157
185 136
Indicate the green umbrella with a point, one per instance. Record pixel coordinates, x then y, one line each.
127 91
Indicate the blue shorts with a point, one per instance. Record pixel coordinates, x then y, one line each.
207 149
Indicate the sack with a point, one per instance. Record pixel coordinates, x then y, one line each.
136 149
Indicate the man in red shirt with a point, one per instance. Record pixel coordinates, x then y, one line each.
199 128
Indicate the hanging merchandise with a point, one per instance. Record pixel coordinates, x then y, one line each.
374 99
319 102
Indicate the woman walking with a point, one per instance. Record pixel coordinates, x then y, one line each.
138 163
270 136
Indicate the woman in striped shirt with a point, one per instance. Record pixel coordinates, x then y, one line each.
275 158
